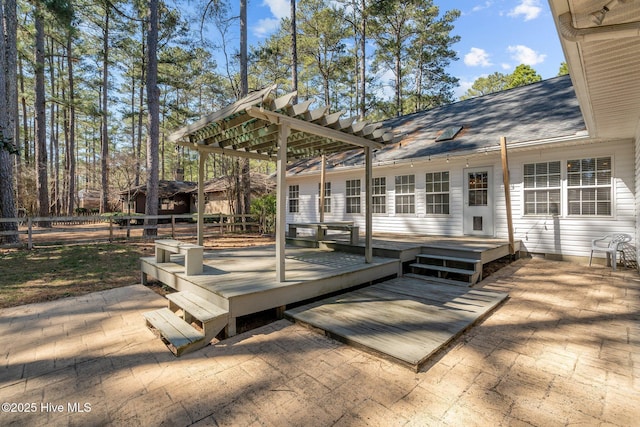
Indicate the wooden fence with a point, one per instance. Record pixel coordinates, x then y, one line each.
33 231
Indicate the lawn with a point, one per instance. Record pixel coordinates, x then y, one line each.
52 272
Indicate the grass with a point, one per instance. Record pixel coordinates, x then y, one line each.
50 273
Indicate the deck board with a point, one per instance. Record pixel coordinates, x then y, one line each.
406 319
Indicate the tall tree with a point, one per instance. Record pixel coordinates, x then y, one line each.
104 128
42 183
294 50
323 33
153 106
8 116
412 40
522 75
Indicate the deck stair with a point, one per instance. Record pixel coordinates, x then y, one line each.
189 323
447 269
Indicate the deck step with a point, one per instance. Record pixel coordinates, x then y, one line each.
442 268
206 314
438 280
174 331
448 258
197 306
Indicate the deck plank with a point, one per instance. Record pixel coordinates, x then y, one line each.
406 319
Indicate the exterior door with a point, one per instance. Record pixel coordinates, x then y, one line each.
478 202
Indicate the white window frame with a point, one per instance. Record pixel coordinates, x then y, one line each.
353 201
379 195
543 186
327 197
437 193
582 181
405 190
294 198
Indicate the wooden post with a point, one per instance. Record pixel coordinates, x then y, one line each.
110 229
368 247
281 200
507 193
323 170
29 233
201 161
173 226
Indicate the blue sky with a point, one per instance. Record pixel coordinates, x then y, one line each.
496 35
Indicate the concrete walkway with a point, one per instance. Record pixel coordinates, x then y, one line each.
564 349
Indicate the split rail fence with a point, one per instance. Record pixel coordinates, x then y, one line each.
35 231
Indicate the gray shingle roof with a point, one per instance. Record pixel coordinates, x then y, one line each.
539 111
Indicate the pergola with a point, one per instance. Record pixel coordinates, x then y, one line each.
262 126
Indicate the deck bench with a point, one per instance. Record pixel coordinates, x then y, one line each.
193 254
322 227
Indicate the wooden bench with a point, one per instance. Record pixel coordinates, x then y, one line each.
322 227
193 254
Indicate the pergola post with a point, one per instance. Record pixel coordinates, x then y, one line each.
368 176
202 157
281 200
323 171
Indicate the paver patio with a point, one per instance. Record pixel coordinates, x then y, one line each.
564 349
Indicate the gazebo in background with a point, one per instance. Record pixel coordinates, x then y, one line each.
263 126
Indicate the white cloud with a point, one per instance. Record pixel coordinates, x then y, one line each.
505 66
525 55
485 5
477 58
530 9
279 8
265 26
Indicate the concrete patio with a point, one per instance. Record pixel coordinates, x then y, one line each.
564 349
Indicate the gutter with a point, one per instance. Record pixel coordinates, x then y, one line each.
604 32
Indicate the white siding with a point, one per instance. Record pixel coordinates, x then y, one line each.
637 177
562 235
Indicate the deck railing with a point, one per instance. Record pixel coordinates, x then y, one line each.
121 227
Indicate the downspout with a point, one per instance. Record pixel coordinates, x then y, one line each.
603 32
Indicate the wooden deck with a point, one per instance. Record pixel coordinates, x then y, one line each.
243 281
405 319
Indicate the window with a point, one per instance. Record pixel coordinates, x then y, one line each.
327 197
165 203
542 183
589 186
478 188
353 196
405 194
294 197
437 189
379 195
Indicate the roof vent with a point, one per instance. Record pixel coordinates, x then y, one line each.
448 133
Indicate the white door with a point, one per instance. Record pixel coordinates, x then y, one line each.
478 202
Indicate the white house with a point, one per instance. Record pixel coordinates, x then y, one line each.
444 176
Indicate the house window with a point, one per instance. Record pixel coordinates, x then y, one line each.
589 186
437 189
165 203
542 183
405 194
327 197
353 196
294 198
379 195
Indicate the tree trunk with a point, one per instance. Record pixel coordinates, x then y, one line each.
8 115
153 101
71 149
141 107
294 51
363 60
245 171
42 183
104 134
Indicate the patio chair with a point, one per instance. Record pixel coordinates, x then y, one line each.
611 244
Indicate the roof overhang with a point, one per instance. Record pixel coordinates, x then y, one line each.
603 62
250 128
